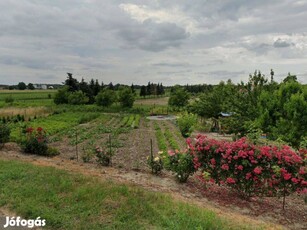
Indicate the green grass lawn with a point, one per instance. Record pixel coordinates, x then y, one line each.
70 201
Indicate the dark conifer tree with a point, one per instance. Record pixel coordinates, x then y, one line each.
96 88
148 89
143 91
72 83
132 88
111 86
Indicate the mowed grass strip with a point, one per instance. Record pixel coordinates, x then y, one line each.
70 201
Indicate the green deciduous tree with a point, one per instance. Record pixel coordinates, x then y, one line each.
31 86
179 98
283 113
126 97
21 86
77 98
106 97
61 97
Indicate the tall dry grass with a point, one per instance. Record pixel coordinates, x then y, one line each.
26 112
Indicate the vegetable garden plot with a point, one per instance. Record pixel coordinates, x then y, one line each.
168 136
134 153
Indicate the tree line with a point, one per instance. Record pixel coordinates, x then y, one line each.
278 110
77 93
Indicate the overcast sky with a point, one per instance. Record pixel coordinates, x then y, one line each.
168 41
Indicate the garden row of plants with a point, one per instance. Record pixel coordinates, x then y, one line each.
14 119
36 141
162 143
165 138
251 170
54 123
132 121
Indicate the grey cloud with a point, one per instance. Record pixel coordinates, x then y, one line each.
152 36
29 62
222 74
170 64
47 77
260 49
279 43
174 72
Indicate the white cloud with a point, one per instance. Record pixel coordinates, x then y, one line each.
174 15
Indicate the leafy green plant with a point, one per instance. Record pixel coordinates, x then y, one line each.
303 144
52 151
160 137
186 123
130 121
104 157
170 138
181 163
87 155
137 121
4 134
156 164
124 121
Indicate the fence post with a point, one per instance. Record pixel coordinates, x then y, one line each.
77 145
151 154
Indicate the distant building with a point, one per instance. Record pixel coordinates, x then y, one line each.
40 86
4 86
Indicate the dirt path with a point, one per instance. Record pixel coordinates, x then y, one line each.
222 201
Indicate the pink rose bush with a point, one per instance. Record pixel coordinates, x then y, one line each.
250 169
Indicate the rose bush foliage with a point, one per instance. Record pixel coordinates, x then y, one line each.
252 170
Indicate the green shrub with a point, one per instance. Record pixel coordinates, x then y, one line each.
87 155
181 163
104 157
106 97
126 97
77 98
303 144
4 134
61 97
51 152
186 123
156 164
